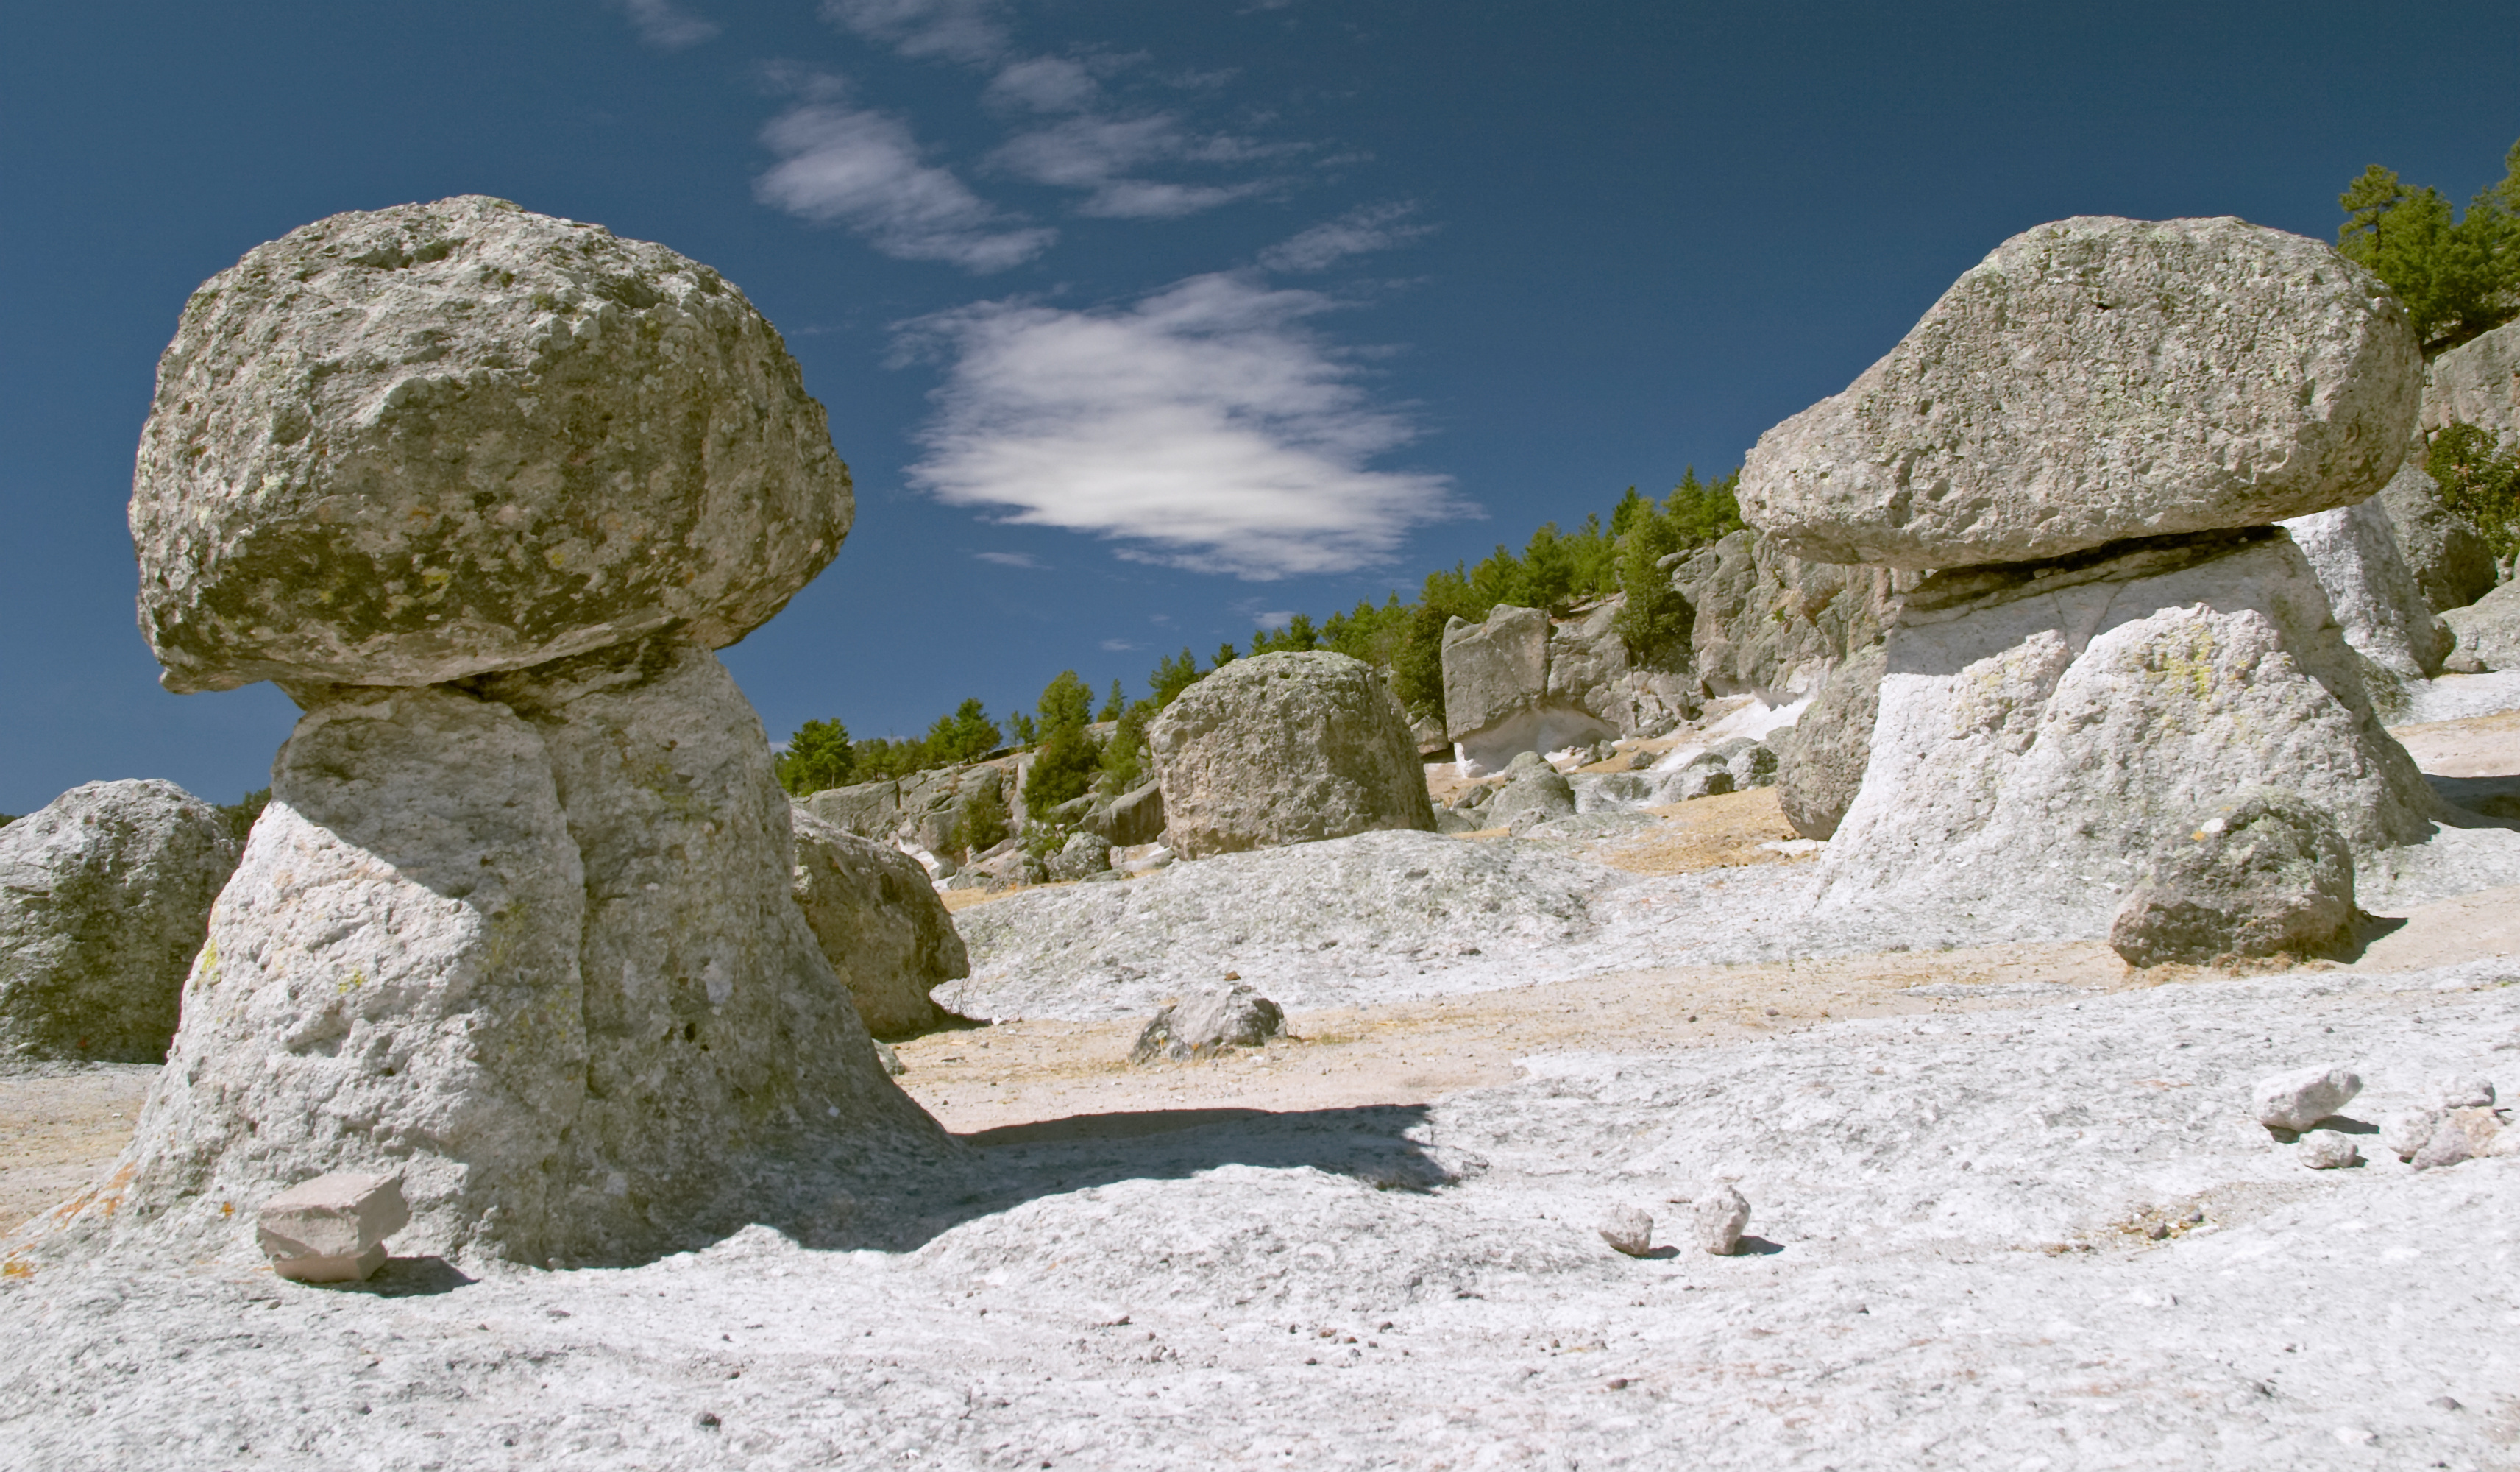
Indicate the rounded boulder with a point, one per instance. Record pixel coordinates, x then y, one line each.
410 445
1286 749
2095 380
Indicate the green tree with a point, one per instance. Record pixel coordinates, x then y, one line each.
1125 757
983 824
1112 704
1224 655
1173 676
1026 733
2456 277
1655 623
1065 702
817 755
1062 768
240 815
2481 482
966 735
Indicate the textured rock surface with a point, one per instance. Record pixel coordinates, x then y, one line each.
1628 1229
2267 874
1285 749
2488 631
2450 561
2304 1096
105 898
2044 735
1520 682
2097 378
537 953
1717 1221
1769 624
404 446
1495 669
1536 792
2375 598
2477 383
1821 770
2329 1151
1221 1019
880 924
1132 818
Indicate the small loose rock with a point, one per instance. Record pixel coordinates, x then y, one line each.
2329 1151
2299 1099
1720 1216
1630 1230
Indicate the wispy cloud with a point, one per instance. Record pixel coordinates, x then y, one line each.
665 26
1371 227
971 31
1206 427
1273 619
1010 559
1102 153
1118 646
1044 84
863 169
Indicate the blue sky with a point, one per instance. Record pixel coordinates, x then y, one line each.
1140 323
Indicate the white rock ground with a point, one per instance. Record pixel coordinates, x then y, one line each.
1951 1266
1950 1271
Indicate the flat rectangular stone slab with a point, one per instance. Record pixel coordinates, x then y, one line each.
332 1229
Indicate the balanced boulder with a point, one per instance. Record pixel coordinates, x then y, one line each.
105 900
407 445
2267 875
1285 749
880 923
2100 379
519 923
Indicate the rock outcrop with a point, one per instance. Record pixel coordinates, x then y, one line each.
1285 749
2449 559
1821 769
1522 683
880 923
2089 436
2095 380
2487 632
2267 875
518 929
105 900
2477 383
1765 623
2353 552
929 810
1219 1021
408 445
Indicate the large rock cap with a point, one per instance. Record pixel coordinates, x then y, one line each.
404 446
1285 749
2099 379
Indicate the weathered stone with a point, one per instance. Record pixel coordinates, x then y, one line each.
2384 615
2408 1131
2488 631
2047 733
2476 383
1765 623
2329 1151
868 810
409 445
2461 1092
2446 555
2100 379
1285 749
880 924
1629 1230
1537 793
1822 769
2266 875
533 946
1084 855
1230 1016
2462 1134
2303 1097
1133 818
1520 682
104 898
1717 1221
332 1228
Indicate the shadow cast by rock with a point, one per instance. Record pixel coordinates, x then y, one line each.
402 1277
1756 1247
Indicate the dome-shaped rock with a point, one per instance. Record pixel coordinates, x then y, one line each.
2100 379
405 446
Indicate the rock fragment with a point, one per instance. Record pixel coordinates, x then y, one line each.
1629 1229
1822 768
332 1228
2299 1099
2267 874
2407 1132
1717 1221
1232 1017
2461 1092
2462 1134
878 922
2329 1151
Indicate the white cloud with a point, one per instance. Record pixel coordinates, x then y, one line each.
1274 618
1373 227
861 169
1010 559
665 26
1044 84
1099 153
1205 427
958 30
1120 646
